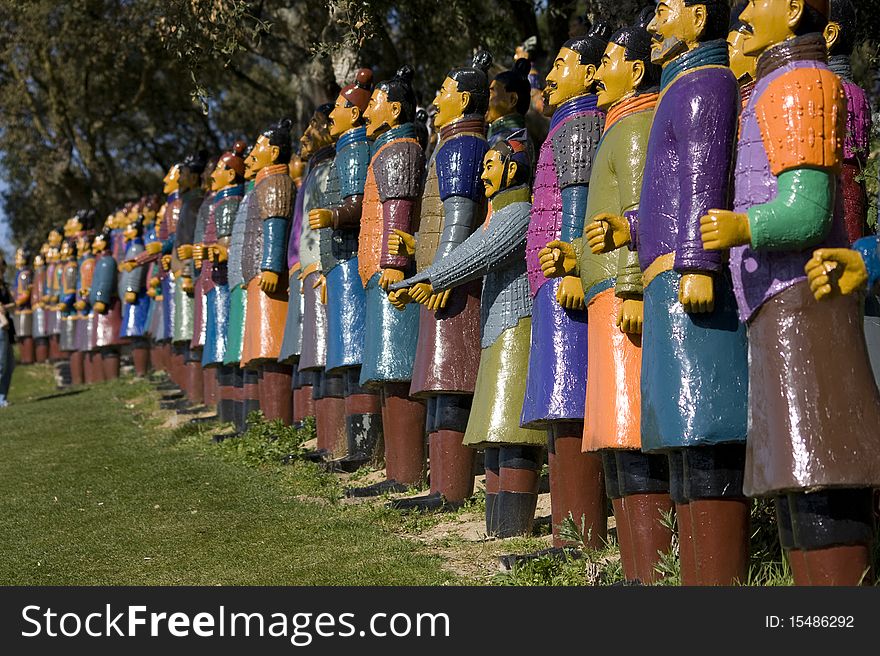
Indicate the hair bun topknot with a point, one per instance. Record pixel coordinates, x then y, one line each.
646 15
482 60
239 148
364 77
600 29
522 67
405 73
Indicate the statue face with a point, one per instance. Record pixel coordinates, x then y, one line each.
222 176
52 255
316 136
616 78
343 118
55 239
743 66
20 260
99 245
520 53
263 154
501 101
568 78
676 29
82 244
771 22
171 180
65 252
39 262
493 171
381 114
450 103
130 232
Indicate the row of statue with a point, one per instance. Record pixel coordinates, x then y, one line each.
664 296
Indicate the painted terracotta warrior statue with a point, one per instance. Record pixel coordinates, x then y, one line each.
104 299
806 447
23 315
694 361
496 252
448 354
557 381
315 394
390 205
263 266
227 184
345 306
636 482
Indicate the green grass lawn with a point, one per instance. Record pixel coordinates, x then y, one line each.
94 491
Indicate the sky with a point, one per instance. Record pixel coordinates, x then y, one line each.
5 234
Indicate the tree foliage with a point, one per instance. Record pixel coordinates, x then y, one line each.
99 97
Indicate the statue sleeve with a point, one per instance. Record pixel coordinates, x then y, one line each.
398 172
705 133
869 249
574 149
459 166
801 115
275 199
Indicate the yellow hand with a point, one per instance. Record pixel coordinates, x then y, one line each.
151 292
130 297
557 259
401 243
836 269
607 232
722 229
100 307
268 281
421 292
153 247
166 262
219 253
322 283
185 252
80 305
696 292
439 300
186 284
198 253
570 294
320 218
389 277
128 265
631 316
399 299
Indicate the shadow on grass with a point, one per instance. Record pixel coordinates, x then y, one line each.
57 395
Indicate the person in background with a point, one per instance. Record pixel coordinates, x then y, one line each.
7 335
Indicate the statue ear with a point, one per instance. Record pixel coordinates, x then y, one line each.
831 34
794 13
638 73
396 109
589 76
700 17
274 151
465 100
355 114
511 173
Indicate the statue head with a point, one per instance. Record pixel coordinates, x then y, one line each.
465 91
272 147
392 103
773 21
297 168
626 68
171 180
840 31
21 257
230 167
574 70
351 103
742 65
317 133
682 25
510 92
101 242
506 164
191 169
55 238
